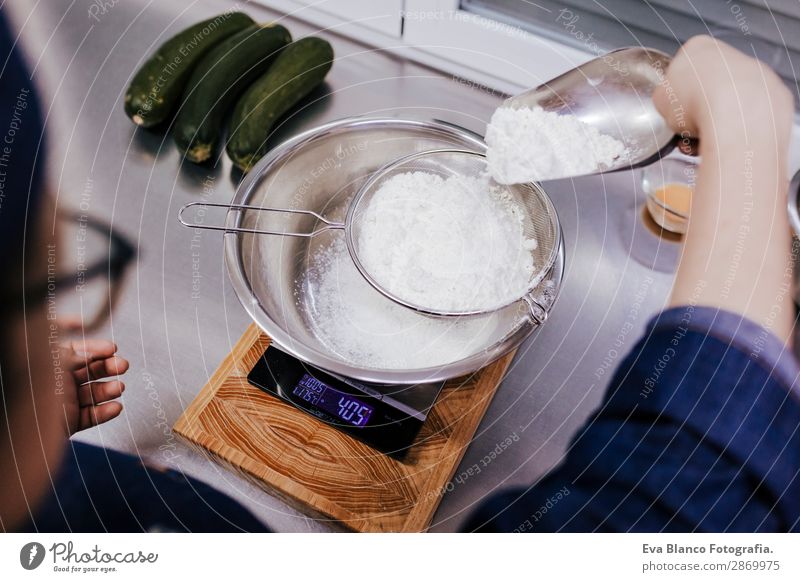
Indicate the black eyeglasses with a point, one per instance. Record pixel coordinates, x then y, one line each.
92 270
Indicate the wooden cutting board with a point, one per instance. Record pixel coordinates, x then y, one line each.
326 473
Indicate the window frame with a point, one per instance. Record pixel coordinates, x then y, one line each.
440 34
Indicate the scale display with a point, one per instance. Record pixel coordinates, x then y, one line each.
346 407
360 410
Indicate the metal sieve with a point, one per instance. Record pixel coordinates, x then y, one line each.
537 217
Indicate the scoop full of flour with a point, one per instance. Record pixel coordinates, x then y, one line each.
531 144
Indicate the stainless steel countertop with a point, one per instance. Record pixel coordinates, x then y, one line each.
175 337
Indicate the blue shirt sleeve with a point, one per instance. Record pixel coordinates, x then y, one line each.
699 431
100 490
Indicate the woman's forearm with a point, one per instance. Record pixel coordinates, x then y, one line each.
737 254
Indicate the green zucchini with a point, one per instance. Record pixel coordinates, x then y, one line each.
158 85
216 83
299 68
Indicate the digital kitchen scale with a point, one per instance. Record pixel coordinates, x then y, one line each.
386 417
314 464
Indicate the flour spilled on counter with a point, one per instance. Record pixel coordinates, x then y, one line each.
452 244
529 145
369 330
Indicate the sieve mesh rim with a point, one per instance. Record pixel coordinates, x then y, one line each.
541 273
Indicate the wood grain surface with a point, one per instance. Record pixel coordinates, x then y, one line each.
324 472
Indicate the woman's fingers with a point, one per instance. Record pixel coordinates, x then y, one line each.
97 370
94 415
93 349
80 353
93 359
99 392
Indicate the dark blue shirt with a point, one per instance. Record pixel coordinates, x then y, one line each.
100 490
699 431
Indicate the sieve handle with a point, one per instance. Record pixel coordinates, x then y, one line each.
328 224
536 310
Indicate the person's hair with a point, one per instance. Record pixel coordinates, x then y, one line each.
22 238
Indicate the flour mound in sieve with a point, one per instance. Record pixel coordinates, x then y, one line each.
454 244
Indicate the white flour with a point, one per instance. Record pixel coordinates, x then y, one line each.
365 328
528 145
454 244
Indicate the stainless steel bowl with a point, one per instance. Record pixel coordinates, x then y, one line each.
321 170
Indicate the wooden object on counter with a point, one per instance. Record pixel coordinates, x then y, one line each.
323 471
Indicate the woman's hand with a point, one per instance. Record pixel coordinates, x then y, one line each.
90 400
713 90
737 251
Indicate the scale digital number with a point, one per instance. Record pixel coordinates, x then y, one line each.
346 407
351 407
